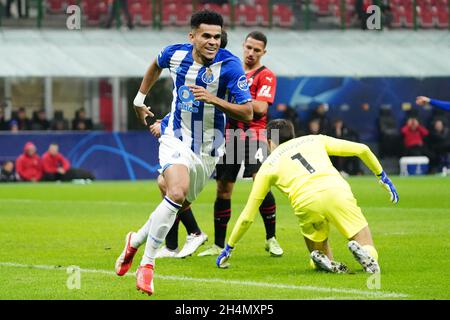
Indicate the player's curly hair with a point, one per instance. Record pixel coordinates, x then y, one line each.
223 39
284 130
206 17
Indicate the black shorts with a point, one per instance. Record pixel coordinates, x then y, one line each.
251 153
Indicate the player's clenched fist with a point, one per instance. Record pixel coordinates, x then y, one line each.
422 101
141 110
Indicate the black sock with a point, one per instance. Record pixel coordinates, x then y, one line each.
172 236
267 210
188 219
222 214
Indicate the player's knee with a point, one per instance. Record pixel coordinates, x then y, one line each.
177 194
162 184
224 190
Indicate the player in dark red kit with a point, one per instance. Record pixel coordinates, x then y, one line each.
249 144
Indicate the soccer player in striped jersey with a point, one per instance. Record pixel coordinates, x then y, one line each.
195 237
192 139
247 143
301 169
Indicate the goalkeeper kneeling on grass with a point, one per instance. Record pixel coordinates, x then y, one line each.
301 169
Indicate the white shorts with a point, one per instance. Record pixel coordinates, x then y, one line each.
174 151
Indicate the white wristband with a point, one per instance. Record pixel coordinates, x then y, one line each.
139 99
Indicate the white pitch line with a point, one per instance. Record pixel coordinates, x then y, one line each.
147 203
357 292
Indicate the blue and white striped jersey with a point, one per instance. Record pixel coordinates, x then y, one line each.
199 125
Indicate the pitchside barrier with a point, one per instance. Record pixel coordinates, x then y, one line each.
109 156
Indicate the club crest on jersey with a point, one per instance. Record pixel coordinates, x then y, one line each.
188 102
242 83
208 76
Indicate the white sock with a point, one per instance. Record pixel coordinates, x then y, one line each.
159 225
141 236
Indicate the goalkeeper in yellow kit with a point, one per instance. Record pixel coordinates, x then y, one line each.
301 169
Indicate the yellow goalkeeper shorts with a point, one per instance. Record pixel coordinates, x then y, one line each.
336 206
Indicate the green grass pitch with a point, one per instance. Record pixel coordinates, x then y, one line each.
46 227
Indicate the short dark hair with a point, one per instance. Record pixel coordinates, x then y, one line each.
257 35
206 17
223 39
285 130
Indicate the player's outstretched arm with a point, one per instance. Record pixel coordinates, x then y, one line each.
261 187
343 148
150 77
422 101
241 112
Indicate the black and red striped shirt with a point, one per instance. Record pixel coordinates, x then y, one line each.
262 88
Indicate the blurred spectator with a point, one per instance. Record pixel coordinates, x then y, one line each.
57 167
58 122
413 137
114 9
39 121
345 165
23 123
319 114
29 164
13 126
7 173
314 126
439 143
81 122
3 123
283 111
390 138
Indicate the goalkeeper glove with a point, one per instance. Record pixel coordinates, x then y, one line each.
222 259
389 186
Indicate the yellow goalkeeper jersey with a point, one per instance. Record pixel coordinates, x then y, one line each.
300 168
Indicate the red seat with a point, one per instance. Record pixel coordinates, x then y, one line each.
169 14
141 11
55 6
183 15
323 7
262 13
425 16
396 17
282 15
442 18
240 14
251 16
407 17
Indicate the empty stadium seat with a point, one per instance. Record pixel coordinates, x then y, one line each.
141 12
425 16
183 15
55 6
282 15
262 13
442 18
169 14
322 7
